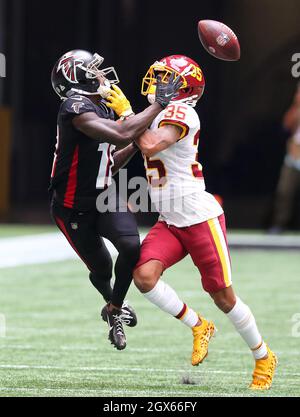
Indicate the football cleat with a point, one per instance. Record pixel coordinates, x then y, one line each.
127 315
202 335
264 372
116 333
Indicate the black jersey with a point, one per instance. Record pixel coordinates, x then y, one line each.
82 165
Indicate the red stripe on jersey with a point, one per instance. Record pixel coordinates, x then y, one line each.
55 154
196 138
54 166
72 181
62 227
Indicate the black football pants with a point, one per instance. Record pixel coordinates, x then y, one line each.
85 231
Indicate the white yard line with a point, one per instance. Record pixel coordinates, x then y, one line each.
110 369
85 348
118 392
38 249
131 369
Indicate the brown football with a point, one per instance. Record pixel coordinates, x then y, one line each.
219 40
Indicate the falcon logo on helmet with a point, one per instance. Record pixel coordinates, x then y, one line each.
68 65
192 77
80 72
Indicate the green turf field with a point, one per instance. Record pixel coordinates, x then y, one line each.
55 344
9 230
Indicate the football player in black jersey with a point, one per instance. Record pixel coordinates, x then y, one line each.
90 148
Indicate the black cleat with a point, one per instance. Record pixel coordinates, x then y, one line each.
128 315
116 332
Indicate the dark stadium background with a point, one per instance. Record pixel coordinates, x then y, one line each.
242 142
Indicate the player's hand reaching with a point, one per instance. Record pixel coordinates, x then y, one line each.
165 91
119 102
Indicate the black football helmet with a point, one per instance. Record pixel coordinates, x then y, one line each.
78 72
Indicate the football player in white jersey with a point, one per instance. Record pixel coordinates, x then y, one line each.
191 221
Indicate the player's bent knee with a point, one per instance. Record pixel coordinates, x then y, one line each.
225 299
143 280
224 305
146 276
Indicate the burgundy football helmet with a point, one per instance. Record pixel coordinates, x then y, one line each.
185 68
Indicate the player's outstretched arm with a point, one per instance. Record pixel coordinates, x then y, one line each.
121 134
123 156
153 141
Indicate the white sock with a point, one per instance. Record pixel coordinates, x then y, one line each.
244 322
164 297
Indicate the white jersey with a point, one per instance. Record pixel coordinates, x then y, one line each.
176 183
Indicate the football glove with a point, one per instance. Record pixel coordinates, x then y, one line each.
119 102
165 91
